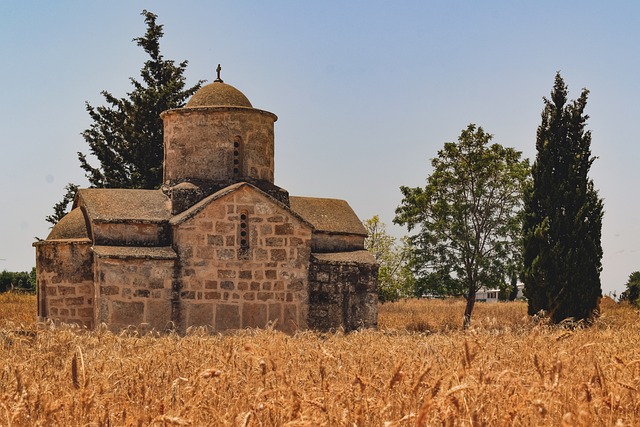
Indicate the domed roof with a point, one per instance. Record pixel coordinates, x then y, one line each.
71 226
218 94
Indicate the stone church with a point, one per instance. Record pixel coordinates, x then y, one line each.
219 245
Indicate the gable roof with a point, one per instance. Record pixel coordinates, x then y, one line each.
198 207
328 215
121 205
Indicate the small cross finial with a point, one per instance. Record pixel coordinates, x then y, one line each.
218 79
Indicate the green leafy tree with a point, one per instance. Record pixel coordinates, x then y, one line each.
18 281
395 279
126 136
632 293
467 216
563 215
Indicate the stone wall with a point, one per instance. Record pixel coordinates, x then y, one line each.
223 144
65 281
233 280
333 242
343 291
134 287
239 259
130 233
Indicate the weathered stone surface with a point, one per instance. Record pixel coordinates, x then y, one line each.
199 314
278 254
227 317
65 268
126 313
343 291
158 314
284 229
290 318
275 314
74 301
66 290
206 131
254 315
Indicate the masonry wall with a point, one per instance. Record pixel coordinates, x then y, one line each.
333 242
343 291
223 144
134 291
227 285
65 281
130 233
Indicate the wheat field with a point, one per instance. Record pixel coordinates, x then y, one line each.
418 369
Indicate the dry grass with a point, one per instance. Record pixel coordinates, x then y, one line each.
506 371
446 315
17 308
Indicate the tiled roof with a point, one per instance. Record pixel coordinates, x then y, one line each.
114 205
328 215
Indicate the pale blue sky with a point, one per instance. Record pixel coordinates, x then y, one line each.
366 92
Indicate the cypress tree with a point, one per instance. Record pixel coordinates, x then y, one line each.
563 214
127 134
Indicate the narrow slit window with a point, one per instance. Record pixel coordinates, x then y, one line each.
243 234
237 157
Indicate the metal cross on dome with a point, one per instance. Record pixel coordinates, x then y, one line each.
218 79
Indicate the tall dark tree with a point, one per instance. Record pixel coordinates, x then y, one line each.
126 136
468 216
563 214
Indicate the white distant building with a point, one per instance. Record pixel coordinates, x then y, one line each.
485 294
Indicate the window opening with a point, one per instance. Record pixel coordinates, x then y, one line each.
244 235
237 156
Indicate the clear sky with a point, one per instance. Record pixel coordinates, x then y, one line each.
366 92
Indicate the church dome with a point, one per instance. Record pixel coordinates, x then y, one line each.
218 94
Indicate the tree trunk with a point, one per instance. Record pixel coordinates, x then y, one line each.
471 300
